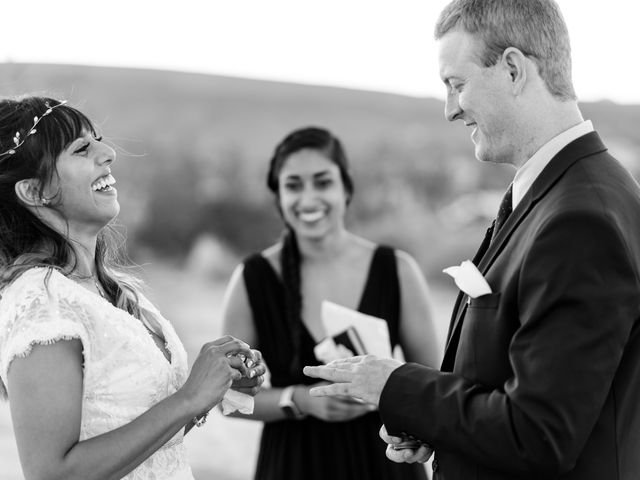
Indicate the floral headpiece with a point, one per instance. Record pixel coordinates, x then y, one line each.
18 139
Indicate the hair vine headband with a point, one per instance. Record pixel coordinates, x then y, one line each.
18 140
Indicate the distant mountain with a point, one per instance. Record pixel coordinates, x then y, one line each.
194 144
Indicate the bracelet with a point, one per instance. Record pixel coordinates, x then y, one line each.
201 420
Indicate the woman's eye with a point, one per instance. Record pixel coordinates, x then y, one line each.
82 149
98 138
292 186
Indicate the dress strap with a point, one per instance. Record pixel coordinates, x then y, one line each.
382 295
258 273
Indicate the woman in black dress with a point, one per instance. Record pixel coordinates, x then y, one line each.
273 301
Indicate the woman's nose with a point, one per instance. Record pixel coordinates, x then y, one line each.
106 155
308 195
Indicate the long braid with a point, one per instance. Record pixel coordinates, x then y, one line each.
290 261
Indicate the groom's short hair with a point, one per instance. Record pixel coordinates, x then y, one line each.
535 27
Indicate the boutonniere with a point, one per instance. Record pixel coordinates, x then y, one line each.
469 279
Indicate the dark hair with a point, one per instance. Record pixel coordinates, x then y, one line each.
535 27
322 140
25 240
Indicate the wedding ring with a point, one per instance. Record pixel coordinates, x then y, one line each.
201 420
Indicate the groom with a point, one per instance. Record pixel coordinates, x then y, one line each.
541 377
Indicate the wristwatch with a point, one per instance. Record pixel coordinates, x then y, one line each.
287 404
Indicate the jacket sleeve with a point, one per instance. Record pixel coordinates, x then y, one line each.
578 299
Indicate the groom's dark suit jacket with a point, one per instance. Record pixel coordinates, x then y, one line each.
541 378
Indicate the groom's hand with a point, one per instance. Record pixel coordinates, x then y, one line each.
401 450
361 377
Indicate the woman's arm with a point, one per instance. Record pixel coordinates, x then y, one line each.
45 397
418 337
237 320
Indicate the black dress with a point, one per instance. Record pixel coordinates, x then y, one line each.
312 449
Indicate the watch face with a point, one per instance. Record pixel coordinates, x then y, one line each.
286 403
288 411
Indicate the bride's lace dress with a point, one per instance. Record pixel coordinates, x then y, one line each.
125 373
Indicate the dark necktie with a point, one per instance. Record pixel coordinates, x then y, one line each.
504 211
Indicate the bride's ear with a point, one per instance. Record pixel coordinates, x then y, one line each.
28 193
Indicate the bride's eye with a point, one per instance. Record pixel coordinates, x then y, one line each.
83 148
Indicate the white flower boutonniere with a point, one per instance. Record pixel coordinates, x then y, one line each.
469 279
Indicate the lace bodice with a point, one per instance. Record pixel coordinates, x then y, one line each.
125 373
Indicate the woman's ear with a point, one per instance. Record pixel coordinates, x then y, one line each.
28 193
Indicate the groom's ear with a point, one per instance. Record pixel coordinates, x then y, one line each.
515 63
27 191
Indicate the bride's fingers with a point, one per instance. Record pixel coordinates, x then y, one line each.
221 340
233 347
258 370
230 344
239 364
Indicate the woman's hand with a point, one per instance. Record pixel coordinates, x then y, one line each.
330 409
217 366
251 382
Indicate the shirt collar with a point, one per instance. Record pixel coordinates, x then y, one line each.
527 173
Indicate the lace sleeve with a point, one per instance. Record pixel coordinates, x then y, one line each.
34 310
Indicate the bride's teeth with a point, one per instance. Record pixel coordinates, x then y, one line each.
103 182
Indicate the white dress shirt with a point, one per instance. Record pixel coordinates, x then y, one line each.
527 174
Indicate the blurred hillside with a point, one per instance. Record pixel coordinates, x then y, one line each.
193 151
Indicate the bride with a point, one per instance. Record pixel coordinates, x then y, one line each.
96 377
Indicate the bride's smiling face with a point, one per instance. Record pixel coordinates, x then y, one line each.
82 187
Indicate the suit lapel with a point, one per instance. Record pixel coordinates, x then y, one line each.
459 307
584 146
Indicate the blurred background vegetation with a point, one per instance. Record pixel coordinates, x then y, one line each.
193 152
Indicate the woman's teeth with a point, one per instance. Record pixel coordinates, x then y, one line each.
103 184
311 216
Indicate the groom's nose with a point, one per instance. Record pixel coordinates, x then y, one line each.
452 110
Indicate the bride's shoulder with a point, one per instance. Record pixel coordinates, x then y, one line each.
35 279
31 293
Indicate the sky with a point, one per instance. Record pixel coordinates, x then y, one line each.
363 44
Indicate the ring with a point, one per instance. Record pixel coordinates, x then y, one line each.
201 420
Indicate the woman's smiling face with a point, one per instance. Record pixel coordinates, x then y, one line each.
82 188
311 194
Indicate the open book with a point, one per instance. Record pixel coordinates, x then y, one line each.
350 333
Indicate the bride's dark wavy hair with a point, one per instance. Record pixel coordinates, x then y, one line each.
323 141
25 240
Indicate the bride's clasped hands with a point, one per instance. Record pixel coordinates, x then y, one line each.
223 364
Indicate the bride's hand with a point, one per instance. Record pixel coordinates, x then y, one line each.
251 381
218 364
